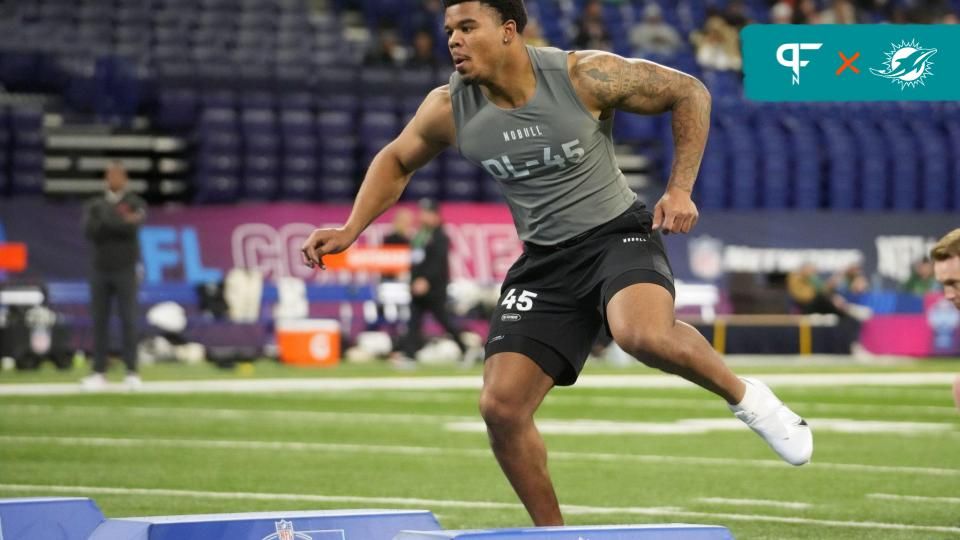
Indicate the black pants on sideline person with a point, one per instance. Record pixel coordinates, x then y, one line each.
420 306
104 287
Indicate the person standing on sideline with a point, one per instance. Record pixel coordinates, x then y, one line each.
946 268
946 265
111 223
540 121
429 278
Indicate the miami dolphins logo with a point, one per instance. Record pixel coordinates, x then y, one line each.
907 64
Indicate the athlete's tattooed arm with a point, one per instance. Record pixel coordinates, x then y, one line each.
605 82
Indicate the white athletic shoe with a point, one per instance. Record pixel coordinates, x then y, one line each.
133 382
95 382
784 430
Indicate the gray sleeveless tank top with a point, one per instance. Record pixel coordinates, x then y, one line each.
553 160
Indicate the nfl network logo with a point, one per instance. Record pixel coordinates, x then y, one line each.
794 62
285 532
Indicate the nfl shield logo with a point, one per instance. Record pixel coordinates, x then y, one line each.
284 530
706 257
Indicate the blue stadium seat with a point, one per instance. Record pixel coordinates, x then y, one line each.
378 125
841 155
216 188
775 165
741 145
176 109
934 159
336 189
904 162
711 188
804 139
334 124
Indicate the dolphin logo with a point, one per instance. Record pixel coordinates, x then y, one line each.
907 64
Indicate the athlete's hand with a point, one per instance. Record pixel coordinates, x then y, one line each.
325 242
675 212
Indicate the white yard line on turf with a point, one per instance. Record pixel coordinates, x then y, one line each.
755 502
695 426
460 452
472 382
243 414
914 498
474 505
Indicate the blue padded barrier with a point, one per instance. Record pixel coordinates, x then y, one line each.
316 525
670 531
51 518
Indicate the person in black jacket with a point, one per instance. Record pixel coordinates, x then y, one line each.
429 277
111 223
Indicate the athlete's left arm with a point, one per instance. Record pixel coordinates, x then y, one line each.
605 82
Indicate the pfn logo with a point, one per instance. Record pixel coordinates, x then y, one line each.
794 62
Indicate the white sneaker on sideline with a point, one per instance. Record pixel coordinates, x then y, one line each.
133 382
784 430
472 357
95 382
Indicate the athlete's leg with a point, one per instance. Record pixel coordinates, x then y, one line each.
513 388
642 322
438 307
641 319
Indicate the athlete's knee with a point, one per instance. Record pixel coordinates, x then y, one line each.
650 347
499 410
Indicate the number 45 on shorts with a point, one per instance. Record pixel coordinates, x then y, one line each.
524 302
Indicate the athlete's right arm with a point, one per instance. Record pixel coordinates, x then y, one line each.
430 131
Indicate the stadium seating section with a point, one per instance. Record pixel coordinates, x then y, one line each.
276 104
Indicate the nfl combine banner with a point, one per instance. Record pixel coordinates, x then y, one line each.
857 62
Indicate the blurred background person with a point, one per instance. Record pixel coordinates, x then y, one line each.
423 51
717 45
430 277
946 265
781 13
839 12
921 280
591 30
813 295
111 224
653 36
387 49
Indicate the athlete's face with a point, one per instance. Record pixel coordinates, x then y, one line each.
948 274
475 35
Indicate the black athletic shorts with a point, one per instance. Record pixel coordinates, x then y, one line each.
553 301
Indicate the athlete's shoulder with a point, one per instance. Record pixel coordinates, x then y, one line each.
434 118
438 100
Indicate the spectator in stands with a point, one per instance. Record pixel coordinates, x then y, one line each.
424 55
653 36
946 265
591 30
111 223
853 281
430 274
718 45
811 295
921 280
805 12
534 34
736 14
387 51
839 12
781 13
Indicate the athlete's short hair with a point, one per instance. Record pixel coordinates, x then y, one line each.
509 10
948 247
